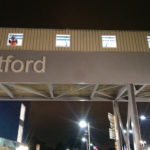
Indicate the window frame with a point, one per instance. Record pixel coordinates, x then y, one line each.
9 34
109 40
148 41
63 40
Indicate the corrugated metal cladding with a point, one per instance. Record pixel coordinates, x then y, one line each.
81 40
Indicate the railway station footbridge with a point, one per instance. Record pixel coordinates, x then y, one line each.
78 65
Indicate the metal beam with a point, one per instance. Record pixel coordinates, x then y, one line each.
94 91
120 121
28 90
101 93
140 89
6 90
51 90
56 99
76 90
136 92
73 98
128 127
134 118
138 99
108 88
121 92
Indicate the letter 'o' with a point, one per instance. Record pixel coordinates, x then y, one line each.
20 66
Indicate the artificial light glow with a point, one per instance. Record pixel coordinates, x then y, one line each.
20 133
130 131
82 124
125 131
142 117
84 139
91 144
143 142
21 147
22 112
149 148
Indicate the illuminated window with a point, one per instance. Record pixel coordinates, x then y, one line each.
109 41
62 40
148 40
15 39
22 112
20 133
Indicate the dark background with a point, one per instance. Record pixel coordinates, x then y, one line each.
57 122
9 119
78 14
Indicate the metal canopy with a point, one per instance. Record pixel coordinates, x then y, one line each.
87 92
71 92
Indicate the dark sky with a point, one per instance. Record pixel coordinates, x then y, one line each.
56 122
89 14
9 118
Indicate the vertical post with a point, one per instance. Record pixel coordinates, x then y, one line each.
128 128
21 122
134 118
89 135
117 129
87 145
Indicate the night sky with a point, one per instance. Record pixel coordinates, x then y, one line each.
53 122
57 122
89 14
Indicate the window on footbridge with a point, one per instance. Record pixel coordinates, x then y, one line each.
62 40
15 39
148 40
109 41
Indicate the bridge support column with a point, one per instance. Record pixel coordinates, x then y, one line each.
134 118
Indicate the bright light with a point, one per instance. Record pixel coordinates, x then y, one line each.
149 148
124 131
82 124
143 142
142 117
21 147
84 139
22 112
91 144
130 131
95 148
20 133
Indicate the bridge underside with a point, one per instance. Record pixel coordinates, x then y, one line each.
71 92
114 77
87 92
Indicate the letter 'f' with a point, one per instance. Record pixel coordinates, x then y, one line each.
7 61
